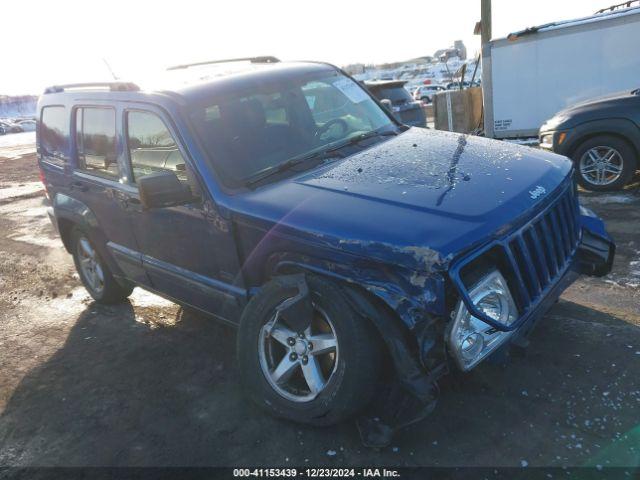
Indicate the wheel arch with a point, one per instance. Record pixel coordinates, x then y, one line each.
404 346
622 129
360 298
65 227
69 213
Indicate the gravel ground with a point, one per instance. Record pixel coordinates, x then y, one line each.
148 383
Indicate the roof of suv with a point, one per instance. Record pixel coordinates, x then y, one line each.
385 83
202 81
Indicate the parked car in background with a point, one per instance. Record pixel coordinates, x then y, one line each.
27 125
601 136
10 127
350 250
425 92
400 102
465 84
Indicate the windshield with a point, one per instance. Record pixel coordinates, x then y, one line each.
248 133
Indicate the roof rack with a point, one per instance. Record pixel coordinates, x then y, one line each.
265 59
619 6
112 86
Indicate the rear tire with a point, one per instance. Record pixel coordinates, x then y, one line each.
94 272
604 163
347 384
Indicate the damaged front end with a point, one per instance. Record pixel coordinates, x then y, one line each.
412 391
407 310
502 290
507 285
438 312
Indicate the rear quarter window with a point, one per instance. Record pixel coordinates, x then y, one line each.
54 135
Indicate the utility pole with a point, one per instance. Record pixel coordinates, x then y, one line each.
483 28
485 21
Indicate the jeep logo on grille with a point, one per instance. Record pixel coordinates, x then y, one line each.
537 192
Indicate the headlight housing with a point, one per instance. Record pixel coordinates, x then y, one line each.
546 140
470 339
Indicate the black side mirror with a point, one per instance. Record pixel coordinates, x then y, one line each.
163 189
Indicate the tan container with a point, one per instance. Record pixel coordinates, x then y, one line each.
458 110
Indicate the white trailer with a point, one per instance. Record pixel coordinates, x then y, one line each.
531 75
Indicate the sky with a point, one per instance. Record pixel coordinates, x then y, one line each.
63 41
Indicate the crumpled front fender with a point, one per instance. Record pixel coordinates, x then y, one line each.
410 295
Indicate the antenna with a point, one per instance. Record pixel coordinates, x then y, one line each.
115 77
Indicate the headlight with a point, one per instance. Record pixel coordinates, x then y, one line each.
471 340
547 140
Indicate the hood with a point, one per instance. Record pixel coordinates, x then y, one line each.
614 98
423 193
593 109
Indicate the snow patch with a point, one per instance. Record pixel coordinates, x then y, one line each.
20 190
143 298
17 139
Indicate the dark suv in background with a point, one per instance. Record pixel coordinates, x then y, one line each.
601 136
351 251
396 98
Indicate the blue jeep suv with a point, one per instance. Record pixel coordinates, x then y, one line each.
356 255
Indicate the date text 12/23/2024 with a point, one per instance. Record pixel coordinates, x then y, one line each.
316 472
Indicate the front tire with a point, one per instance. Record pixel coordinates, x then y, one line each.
604 163
94 272
321 376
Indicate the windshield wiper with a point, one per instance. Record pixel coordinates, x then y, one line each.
363 136
289 164
325 154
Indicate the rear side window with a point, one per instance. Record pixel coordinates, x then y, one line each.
396 95
96 139
152 147
54 134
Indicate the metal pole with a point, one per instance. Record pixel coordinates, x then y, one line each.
485 12
485 36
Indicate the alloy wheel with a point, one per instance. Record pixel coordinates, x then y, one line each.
601 165
298 365
90 266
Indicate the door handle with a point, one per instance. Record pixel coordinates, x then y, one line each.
127 201
77 185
